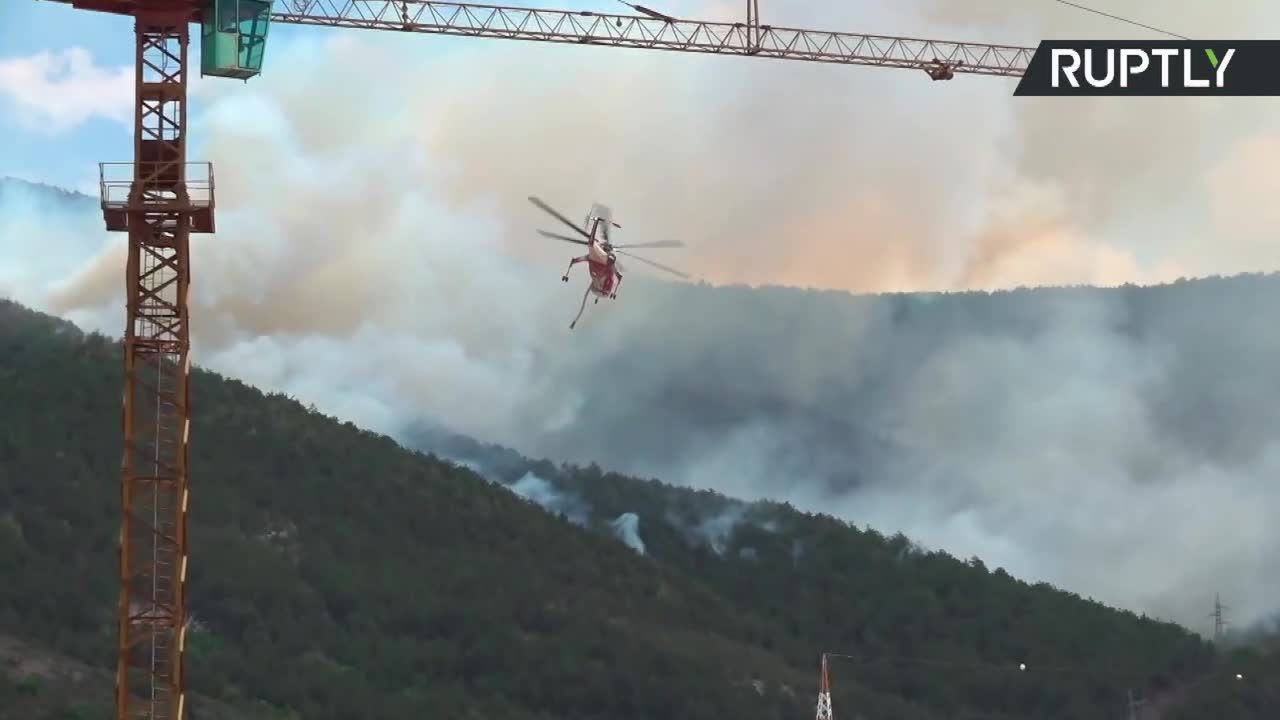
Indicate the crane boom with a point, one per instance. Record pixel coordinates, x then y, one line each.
656 32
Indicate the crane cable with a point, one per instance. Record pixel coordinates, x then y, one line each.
979 666
1121 19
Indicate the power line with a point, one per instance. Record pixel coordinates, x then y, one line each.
1090 668
1084 669
1122 19
1135 704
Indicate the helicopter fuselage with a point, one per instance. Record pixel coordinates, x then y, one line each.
603 272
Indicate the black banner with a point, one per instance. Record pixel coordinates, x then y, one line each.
1144 67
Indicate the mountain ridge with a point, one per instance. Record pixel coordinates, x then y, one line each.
283 579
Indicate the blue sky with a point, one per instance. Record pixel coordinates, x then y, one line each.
69 157
28 28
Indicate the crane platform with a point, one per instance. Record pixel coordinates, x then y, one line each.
156 186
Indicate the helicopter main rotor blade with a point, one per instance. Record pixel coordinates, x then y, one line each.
673 271
565 238
555 214
659 244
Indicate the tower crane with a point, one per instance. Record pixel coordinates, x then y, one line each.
160 199
824 693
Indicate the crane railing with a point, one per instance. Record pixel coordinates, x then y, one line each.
658 32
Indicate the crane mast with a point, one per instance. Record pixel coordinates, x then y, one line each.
160 199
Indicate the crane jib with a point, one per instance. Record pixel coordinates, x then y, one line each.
939 58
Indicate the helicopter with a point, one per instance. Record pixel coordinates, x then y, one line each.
601 258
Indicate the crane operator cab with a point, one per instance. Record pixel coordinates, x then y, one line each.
233 37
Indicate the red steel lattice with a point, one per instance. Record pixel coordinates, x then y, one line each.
592 28
159 213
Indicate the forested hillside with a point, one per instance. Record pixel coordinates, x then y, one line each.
336 575
758 550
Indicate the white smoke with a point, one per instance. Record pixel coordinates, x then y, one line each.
717 530
626 527
543 493
798 550
474 467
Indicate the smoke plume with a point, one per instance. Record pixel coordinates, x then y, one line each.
376 256
539 491
627 529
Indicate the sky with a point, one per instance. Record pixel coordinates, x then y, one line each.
841 145
375 252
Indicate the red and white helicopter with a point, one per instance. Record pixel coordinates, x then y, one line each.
601 257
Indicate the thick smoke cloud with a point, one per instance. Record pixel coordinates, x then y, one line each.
375 256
